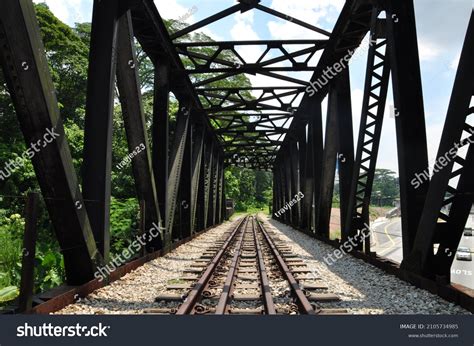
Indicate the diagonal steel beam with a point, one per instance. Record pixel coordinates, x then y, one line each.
176 164
97 162
135 125
207 21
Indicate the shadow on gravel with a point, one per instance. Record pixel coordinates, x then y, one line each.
115 305
379 290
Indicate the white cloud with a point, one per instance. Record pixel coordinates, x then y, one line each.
173 10
357 96
455 62
428 50
71 11
243 30
311 12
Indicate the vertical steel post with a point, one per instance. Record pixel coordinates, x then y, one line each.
209 185
98 120
27 284
176 166
410 119
317 149
197 178
338 152
185 185
345 155
160 139
302 148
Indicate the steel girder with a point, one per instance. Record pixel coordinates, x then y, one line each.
29 82
135 126
97 164
373 107
181 137
198 148
450 195
338 153
216 63
410 120
160 139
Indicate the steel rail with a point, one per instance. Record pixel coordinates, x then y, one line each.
195 294
264 282
222 305
301 300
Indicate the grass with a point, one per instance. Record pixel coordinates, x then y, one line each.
250 210
176 281
335 234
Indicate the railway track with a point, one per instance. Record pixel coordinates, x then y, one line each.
249 270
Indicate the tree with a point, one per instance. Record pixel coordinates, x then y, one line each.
386 186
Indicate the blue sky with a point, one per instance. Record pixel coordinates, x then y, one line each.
441 26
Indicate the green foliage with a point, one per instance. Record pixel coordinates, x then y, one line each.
250 190
11 228
68 54
49 267
124 217
386 187
8 293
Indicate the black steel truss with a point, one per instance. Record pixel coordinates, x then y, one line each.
375 95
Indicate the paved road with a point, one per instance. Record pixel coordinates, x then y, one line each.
462 272
387 242
387 238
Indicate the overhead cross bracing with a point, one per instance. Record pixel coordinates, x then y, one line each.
251 122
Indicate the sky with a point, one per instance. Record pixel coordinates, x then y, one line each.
441 27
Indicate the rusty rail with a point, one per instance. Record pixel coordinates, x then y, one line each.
266 290
222 306
301 300
193 297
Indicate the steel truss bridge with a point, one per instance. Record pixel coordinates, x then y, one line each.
218 126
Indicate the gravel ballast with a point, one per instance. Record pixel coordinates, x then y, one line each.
136 291
363 288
